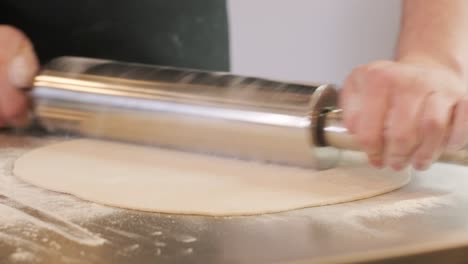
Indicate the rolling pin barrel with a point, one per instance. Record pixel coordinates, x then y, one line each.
211 112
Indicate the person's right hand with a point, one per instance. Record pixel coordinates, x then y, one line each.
18 66
406 111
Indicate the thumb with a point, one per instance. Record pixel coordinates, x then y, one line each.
18 66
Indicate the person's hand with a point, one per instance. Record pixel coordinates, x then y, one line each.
18 65
406 112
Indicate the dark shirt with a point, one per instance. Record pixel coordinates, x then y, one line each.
181 33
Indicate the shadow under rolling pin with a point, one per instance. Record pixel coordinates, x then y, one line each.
191 110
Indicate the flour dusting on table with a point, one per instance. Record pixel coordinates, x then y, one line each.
37 209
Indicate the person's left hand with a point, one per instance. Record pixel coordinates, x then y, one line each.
18 66
406 112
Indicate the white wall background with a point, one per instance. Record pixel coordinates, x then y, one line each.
310 40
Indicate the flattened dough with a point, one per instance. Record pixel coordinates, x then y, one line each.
168 181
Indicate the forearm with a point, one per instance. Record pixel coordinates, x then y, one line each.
435 30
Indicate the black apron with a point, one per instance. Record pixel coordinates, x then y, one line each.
183 33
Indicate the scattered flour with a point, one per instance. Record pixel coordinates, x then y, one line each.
24 205
398 209
129 250
157 233
186 251
21 256
184 238
382 216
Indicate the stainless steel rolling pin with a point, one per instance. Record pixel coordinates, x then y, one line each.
210 112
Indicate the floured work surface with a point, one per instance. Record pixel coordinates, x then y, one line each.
169 181
39 226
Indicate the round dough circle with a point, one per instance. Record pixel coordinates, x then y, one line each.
168 181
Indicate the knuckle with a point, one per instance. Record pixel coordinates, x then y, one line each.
380 76
373 77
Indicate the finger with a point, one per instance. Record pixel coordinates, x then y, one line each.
458 137
437 113
402 134
375 85
18 65
350 102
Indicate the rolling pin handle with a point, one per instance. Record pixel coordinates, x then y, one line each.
333 133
